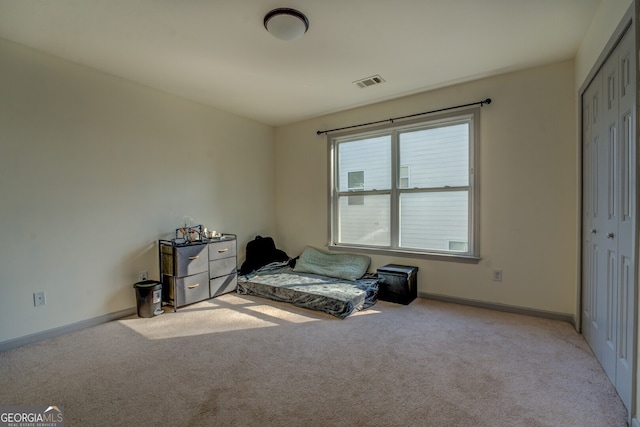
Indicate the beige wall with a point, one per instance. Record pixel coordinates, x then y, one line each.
528 188
93 170
603 25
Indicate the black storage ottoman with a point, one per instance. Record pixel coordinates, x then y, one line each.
397 283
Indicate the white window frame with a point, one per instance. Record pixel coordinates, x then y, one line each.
471 116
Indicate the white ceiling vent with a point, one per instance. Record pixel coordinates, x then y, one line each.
369 81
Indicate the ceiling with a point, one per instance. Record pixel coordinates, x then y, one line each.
217 52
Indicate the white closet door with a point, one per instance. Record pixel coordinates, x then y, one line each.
609 174
626 202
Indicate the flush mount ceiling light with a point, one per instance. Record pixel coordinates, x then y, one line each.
286 24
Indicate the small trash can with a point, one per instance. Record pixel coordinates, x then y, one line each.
148 298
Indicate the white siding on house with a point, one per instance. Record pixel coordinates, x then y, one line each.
365 219
433 220
370 155
437 157
366 224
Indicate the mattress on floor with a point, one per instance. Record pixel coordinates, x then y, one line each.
337 297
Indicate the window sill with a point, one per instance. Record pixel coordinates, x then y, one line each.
467 259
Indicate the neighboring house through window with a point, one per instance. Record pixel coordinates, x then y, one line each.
404 177
419 195
356 183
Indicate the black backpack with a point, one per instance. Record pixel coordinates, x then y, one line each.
260 252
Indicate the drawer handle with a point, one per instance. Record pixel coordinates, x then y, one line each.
193 286
222 250
194 257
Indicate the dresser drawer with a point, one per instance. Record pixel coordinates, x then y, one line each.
192 289
166 260
222 249
222 285
191 260
222 267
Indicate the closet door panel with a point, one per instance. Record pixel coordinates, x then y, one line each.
624 363
610 296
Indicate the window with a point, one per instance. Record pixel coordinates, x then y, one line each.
419 196
356 183
404 176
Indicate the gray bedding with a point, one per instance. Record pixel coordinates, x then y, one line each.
337 297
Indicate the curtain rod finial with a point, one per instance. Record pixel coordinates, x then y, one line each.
487 101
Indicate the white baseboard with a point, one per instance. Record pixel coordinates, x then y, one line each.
50 333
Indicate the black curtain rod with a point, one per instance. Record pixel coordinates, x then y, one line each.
481 103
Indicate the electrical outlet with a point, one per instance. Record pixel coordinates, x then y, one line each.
143 275
497 275
39 298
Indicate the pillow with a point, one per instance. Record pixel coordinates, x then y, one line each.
340 266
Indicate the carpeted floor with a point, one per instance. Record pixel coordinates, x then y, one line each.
242 361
